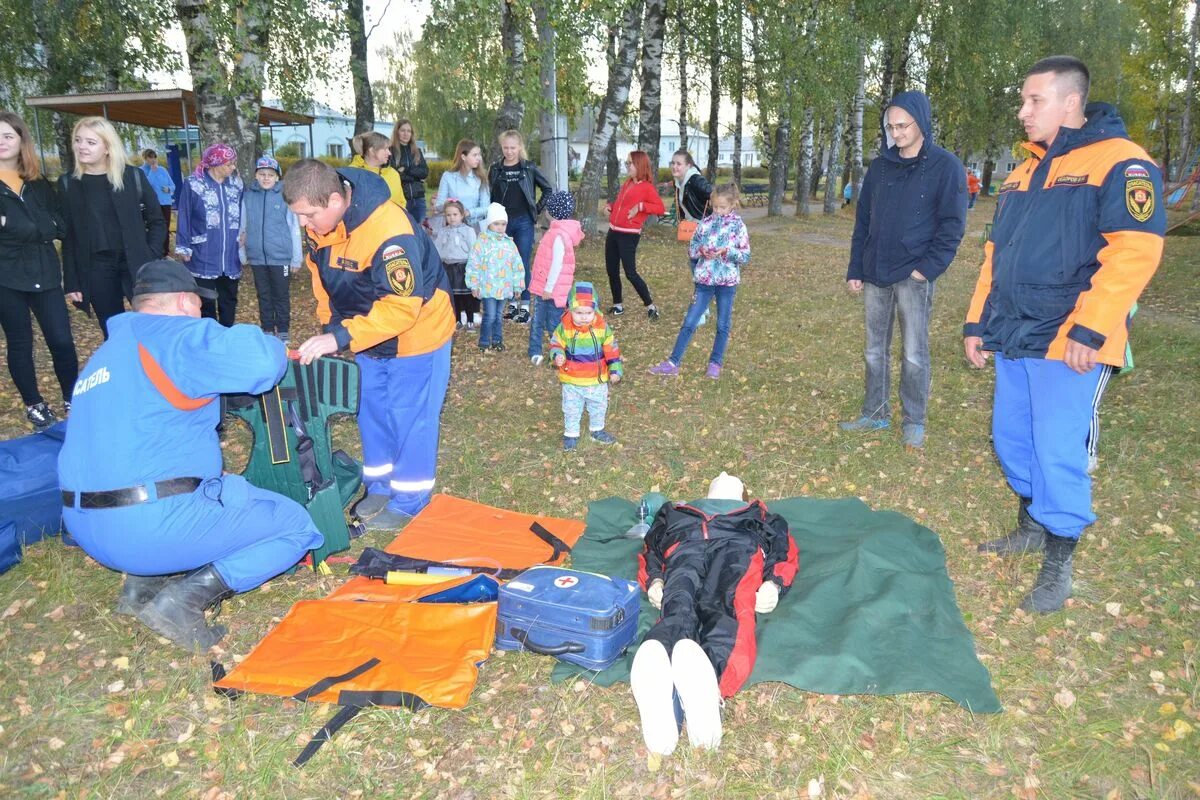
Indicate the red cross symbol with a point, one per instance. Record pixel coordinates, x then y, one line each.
566 581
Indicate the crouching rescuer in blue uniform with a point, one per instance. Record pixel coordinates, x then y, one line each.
140 469
381 293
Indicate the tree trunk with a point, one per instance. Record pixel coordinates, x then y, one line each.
856 125
1189 95
818 170
650 111
681 25
364 101
739 89
616 98
714 101
548 77
804 164
781 153
228 99
832 194
512 40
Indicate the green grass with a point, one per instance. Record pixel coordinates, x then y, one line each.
79 721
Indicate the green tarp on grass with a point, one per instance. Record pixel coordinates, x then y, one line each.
871 612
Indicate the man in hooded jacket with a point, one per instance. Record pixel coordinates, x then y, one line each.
911 215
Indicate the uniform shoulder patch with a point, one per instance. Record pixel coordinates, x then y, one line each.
1139 195
399 270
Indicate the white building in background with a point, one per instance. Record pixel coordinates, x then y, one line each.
331 133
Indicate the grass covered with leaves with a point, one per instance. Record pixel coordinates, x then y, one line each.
1101 699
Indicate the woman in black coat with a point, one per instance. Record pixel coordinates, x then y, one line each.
30 275
410 162
114 224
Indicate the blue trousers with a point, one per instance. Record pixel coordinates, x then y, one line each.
399 419
700 300
913 301
1040 419
546 317
248 534
520 228
491 329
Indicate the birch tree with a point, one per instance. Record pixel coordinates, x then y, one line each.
364 101
650 111
512 41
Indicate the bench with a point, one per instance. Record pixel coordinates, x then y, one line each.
754 194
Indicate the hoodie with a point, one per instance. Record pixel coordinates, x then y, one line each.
912 212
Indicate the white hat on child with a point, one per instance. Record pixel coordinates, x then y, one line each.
726 487
496 213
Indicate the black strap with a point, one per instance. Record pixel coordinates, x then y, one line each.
327 732
306 454
218 673
561 548
334 680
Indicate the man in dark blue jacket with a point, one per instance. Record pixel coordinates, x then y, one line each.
911 215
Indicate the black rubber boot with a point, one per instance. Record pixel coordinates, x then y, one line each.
1029 535
177 612
1053 585
139 590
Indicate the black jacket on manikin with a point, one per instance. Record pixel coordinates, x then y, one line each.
912 212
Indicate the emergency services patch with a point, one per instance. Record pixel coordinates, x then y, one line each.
391 251
400 276
1071 180
1008 187
1139 197
1136 171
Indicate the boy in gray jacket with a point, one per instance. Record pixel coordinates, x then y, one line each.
270 246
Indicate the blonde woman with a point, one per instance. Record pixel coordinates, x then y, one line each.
514 179
372 152
113 222
410 162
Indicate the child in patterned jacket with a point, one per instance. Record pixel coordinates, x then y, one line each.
585 351
721 247
494 274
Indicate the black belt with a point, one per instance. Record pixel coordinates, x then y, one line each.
132 496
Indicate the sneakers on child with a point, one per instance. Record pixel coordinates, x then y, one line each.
498 347
616 311
522 316
570 442
652 312
41 415
864 423
713 371
536 360
653 691
665 368
604 437
699 694
510 311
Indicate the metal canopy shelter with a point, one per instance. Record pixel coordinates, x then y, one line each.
159 108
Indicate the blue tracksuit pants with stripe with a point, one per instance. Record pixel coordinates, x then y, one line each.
1040 418
399 418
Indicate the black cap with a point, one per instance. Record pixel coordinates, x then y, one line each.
167 275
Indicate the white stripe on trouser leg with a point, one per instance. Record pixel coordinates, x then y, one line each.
412 486
377 472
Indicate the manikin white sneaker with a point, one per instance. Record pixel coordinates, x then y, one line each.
696 682
650 678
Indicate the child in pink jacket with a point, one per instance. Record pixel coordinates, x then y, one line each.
553 271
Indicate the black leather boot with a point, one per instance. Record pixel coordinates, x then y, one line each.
177 612
1053 585
1029 535
139 590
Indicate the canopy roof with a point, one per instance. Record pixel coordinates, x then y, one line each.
160 108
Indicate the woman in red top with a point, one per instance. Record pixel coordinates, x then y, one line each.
637 199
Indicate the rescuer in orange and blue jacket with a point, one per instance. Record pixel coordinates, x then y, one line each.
1078 231
382 293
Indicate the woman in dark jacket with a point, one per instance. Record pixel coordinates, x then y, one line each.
514 179
691 190
30 275
410 162
114 224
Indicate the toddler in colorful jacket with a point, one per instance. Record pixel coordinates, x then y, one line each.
585 351
494 274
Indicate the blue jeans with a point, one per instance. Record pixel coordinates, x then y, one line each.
520 228
546 317
914 300
700 299
1040 417
490 330
416 208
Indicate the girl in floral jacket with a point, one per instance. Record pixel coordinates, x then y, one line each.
720 247
495 273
